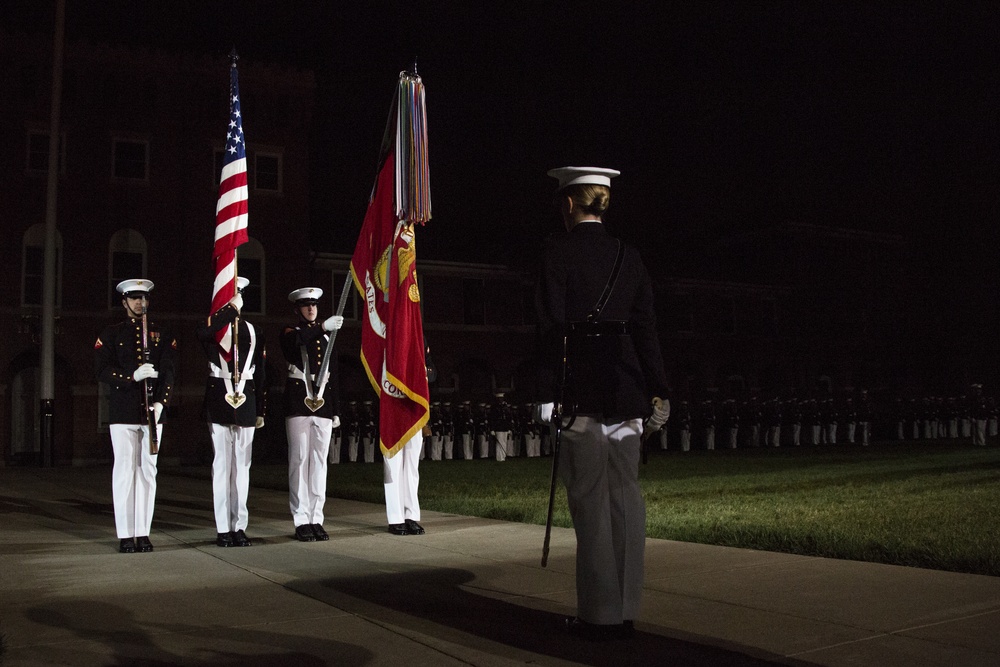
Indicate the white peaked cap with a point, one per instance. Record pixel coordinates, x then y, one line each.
583 175
242 282
135 285
310 293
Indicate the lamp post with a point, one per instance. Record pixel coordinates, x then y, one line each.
47 396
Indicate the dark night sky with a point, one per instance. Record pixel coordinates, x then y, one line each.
876 115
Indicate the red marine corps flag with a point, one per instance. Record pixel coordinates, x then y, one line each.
384 270
231 210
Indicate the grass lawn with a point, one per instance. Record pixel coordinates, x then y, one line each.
922 504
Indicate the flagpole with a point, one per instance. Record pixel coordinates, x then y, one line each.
236 326
233 57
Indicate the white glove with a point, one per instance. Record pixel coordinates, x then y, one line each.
157 411
237 302
336 421
333 323
145 371
661 413
543 412
260 423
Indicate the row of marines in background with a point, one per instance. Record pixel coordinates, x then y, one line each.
467 430
460 431
829 421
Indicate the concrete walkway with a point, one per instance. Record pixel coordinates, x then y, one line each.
469 592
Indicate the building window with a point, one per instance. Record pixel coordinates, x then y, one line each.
131 160
38 153
33 266
250 265
217 171
126 260
103 407
267 172
473 305
34 274
351 307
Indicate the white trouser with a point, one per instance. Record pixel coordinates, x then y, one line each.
865 432
308 449
352 448
978 438
733 433
533 445
685 441
448 447
401 477
502 439
133 479
231 475
484 445
436 447
796 434
335 440
514 444
467 446
599 465
369 448
709 437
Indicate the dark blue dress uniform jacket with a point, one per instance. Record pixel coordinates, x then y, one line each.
215 408
612 377
314 339
118 352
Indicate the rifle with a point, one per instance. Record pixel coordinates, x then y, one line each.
236 399
556 440
154 445
324 365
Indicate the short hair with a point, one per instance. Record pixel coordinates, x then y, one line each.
590 198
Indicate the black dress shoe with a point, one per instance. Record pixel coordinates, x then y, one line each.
126 546
304 533
320 533
224 540
414 527
399 529
143 545
597 632
240 539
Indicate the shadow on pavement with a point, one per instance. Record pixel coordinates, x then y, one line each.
126 642
439 603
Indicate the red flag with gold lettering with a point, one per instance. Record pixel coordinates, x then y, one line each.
384 271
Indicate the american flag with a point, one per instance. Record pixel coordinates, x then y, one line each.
231 210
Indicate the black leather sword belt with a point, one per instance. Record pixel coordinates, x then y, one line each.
600 328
